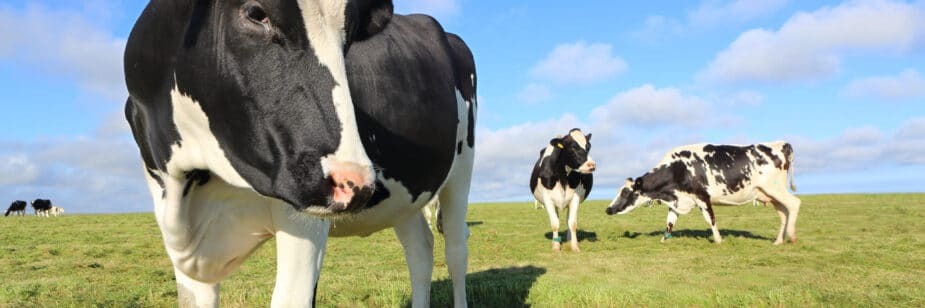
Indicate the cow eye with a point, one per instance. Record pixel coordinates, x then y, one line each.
256 13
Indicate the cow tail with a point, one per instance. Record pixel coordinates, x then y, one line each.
793 187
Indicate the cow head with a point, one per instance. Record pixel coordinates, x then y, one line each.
628 198
264 82
574 151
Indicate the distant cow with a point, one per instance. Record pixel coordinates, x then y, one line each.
41 207
17 207
702 174
562 178
55 211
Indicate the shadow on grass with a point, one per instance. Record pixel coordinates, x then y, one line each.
474 223
505 287
707 234
583 235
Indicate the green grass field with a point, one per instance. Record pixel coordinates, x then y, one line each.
853 250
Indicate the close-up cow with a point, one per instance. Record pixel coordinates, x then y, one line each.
299 120
17 207
701 175
562 179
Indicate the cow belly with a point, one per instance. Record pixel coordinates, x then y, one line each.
560 197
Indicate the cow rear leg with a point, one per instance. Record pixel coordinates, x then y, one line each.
573 223
553 211
782 212
708 215
454 205
418 242
791 204
193 293
672 219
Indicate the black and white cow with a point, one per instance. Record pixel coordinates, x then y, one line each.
705 174
17 207
562 179
42 207
299 119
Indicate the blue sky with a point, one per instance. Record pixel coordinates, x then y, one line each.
844 81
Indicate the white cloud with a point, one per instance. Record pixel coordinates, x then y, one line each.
709 14
443 10
717 12
809 46
908 145
862 148
534 94
647 106
17 169
64 43
907 85
579 62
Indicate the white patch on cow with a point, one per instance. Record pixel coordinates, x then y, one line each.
580 139
198 148
208 241
324 23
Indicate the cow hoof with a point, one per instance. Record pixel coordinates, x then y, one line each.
575 249
778 242
556 247
793 240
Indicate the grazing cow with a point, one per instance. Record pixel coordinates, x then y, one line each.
562 178
705 174
41 207
17 207
55 211
299 120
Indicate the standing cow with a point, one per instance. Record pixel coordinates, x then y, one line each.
17 207
299 119
562 178
42 207
704 174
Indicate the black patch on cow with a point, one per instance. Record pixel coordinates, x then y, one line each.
662 182
459 146
758 158
466 81
198 177
670 227
730 161
403 83
684 154
787 150
710 212
770 154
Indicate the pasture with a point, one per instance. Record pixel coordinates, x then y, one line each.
853 250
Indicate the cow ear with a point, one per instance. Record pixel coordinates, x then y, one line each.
372 16
629 182
588 137
556 142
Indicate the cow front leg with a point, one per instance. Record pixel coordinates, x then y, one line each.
193 293
300 247
573 223
418 243
707 212
553 211
669 225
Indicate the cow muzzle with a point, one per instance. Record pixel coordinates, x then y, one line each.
588 167
352 186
